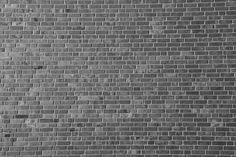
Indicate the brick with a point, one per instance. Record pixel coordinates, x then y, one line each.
117 78
21 116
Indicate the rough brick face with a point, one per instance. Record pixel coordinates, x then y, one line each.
115 78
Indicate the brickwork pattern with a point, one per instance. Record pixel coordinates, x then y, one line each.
117 78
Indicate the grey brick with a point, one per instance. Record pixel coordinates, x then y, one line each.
117 78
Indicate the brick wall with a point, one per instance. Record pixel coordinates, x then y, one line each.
115 78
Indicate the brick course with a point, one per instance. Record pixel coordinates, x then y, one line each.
114 78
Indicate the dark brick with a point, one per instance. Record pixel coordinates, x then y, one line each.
46 120
21 116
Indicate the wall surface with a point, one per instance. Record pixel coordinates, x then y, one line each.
117 78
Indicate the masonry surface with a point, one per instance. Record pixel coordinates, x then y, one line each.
117 78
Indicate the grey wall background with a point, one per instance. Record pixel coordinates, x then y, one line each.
115 78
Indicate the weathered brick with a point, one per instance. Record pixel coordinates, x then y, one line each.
117 78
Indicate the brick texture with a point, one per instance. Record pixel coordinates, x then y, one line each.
116 78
